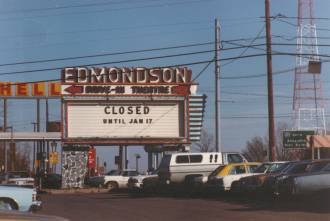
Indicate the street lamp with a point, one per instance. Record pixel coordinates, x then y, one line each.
137 157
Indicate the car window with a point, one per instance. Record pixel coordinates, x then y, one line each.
277 168
253 168
234 158
218 170
326 168
133 173
262 168
182 159
237 170
317 166
299 168
196 158
113 172
211 158
216 158
125 173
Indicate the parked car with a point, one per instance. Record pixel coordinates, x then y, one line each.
315 178
251 183
20 216
181 168
223 177
136 182
99 181
18 198
20 178
120 181
151 184
295 167
52 181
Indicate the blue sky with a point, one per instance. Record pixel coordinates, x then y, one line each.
37 29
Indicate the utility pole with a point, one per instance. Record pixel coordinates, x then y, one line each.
217 87
34 147
4 129
271 124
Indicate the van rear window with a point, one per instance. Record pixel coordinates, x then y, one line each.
182 159
196 158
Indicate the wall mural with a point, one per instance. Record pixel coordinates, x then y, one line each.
74 168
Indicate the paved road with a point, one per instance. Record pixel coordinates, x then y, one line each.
105 206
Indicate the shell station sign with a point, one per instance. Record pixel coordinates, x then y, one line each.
125 81
30 90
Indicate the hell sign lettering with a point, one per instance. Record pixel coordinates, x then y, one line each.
39 89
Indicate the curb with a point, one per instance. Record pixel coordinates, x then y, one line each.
73 191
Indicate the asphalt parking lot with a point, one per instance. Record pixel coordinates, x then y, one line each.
121 206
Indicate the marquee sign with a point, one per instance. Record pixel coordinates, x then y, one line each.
103 90
124 120
113 75
82 81
137 105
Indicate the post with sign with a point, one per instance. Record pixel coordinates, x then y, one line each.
296 140
91 161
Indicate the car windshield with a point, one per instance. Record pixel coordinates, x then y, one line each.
262 168
18 174
217 171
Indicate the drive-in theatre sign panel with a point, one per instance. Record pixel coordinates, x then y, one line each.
125 105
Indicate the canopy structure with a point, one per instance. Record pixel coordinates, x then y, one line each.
30 136
318 141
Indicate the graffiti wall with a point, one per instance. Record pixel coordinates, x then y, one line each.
74 168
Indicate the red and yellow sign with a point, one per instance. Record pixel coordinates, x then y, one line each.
39 89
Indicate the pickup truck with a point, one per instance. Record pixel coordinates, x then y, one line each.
18 198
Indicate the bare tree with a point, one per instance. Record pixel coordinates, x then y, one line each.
206 144
256 149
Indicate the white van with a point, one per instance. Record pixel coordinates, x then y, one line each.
178 167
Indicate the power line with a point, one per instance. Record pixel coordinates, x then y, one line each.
110 29
72 6
122 53
254 94
201 72
248 46
111 9
167 56
108 54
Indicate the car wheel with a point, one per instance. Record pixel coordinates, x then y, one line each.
8 204
112 186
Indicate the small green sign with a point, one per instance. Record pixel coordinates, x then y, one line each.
296 139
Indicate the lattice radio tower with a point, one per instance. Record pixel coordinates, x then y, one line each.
308 102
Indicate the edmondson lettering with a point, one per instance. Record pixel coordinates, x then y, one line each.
107 75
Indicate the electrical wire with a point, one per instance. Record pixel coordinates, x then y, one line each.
247 48
202 71
177 3
107 54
